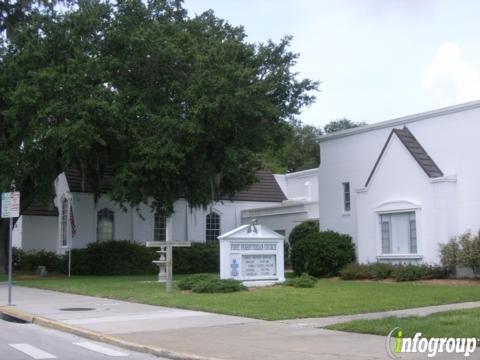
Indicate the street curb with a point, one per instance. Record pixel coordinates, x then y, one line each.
92 335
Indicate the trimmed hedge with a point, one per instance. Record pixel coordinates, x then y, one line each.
114 258
322 253
380 271
120 257
29 261
199 258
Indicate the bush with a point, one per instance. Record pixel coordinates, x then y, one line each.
114 258
419 272
119 258
303 281
29 261
380 271
215 285
449 255
286 255
463 250
408 273
199 258
188 282
301 231
357 272
322 253
298 232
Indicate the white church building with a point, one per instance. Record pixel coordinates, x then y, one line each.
74 219
402 187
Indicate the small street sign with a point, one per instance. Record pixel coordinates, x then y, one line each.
10 210
10 205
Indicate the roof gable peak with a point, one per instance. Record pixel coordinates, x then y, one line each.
415 149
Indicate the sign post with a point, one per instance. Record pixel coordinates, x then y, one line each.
166 259
10 210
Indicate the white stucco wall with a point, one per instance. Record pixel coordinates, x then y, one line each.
282 217
300 185
413 192
38 232
17 233
448 136
184 224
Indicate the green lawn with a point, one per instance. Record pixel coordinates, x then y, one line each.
456 323
328 297
3 277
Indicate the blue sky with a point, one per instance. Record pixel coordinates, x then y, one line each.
376 59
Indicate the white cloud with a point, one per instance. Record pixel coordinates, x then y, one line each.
450 77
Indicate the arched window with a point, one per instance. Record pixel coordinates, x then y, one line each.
64 213
212 226
160 228
105 220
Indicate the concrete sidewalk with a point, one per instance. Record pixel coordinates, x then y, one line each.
185 334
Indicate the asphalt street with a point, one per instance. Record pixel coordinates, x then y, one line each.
28 341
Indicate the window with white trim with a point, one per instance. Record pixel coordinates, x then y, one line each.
160 227
105 221
64 225
212 226
399 233
346 196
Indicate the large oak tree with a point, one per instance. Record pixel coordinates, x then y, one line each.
170 106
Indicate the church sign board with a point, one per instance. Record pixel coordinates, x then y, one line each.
252 254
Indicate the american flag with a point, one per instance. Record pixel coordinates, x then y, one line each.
73 227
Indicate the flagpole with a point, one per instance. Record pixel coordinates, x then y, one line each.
73 230
70 261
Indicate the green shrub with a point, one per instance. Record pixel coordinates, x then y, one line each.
303 281
469 254
188 282
449 255
301 231
380 271
419 272
286 255
114 258
199 258
357 272
437 272
119 257
322 253
29 261
463 250
298 232
215 285
408 273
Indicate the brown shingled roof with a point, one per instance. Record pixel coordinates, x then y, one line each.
265 190
39 209
415 149
80 184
